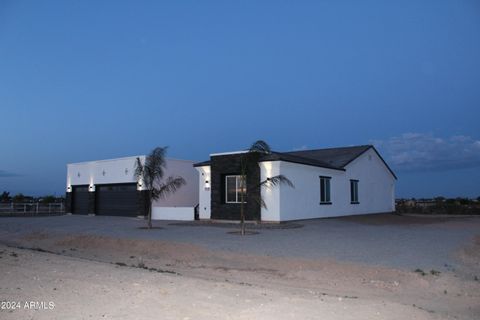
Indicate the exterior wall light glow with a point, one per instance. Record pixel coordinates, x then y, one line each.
207 185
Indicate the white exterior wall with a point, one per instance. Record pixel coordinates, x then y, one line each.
204 192
173 213
271 196
91 173
375 190
376 186
122 170
187 195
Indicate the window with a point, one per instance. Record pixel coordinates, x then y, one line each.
234 188
325 190
354 191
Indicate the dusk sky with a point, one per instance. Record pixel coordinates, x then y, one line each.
88 80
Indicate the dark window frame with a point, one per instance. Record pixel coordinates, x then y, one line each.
237 193
325 190
354 191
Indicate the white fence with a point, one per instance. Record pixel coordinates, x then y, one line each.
31 208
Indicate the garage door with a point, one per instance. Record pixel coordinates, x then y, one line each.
117 200
80 200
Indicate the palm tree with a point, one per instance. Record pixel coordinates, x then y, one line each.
151 173
248 159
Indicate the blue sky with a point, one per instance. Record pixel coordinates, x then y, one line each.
85 80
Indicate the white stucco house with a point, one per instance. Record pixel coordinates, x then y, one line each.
109 188
327 183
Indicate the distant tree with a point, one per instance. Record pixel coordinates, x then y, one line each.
19 198
48 199
247 161
5 197
463 201
450 201
151 175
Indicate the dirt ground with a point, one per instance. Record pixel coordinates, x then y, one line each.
90 276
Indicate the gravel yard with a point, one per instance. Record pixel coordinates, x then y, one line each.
388 240
364 267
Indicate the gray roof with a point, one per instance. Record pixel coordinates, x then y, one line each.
201 164
287 156
336 157
332 158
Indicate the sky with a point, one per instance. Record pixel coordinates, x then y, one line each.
88 80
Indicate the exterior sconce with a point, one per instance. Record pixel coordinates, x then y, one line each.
207 185
91 188
69 189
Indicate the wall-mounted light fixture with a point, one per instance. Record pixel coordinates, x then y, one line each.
91 188
69 188
207 185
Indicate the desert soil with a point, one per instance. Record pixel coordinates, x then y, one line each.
90 276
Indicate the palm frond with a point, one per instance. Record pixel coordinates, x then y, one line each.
155 162
260 146
276 181
258 199
256 150
170 185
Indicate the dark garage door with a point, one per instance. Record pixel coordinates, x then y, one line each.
117 200
80 200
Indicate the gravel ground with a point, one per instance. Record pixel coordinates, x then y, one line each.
72 288
402 242
346 268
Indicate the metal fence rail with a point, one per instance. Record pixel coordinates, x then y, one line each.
31 208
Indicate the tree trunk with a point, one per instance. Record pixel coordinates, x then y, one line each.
243 177
149 210
242 215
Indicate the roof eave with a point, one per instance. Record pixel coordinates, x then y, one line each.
305 164
202 164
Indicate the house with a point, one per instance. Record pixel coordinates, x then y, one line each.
327 183
109 188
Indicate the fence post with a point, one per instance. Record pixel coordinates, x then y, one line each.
24 208
36 209
49 207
